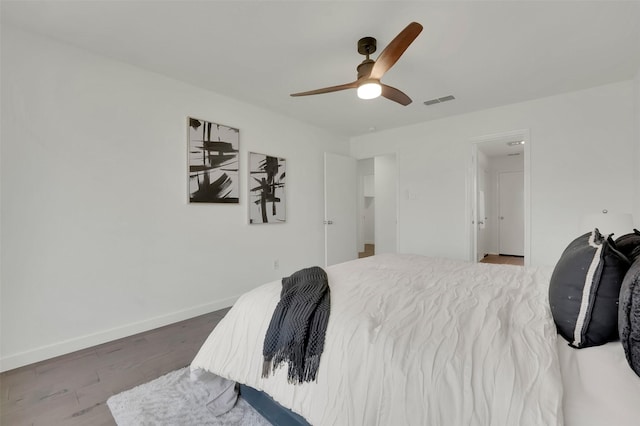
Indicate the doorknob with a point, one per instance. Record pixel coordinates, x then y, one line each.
501 217
328 222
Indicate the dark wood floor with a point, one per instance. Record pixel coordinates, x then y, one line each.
503 260
369 250
73 389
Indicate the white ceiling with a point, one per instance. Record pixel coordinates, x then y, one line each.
486 54
500 148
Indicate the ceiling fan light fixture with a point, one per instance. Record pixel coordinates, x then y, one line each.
369 89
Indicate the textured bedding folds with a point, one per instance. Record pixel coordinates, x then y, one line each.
411 341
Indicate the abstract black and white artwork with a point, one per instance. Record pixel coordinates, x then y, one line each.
213 162
266 188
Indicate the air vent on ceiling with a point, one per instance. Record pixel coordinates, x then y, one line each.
439 100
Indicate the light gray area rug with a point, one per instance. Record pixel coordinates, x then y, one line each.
175 400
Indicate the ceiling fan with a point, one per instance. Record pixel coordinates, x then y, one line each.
370 72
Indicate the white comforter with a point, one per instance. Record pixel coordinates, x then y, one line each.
411 341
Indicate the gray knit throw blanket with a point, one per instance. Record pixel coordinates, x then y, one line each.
298 325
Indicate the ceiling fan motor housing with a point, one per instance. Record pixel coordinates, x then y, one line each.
367 45
364 69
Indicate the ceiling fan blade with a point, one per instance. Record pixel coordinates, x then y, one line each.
395 95
394 50
351 85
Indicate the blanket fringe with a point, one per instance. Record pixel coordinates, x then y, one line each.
267 367
311 365
297 372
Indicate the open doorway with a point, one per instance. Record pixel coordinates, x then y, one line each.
377 205
366 208
499 199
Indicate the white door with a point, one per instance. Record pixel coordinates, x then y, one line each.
511 213
340 231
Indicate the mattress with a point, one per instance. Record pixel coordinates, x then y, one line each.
411 340
600 389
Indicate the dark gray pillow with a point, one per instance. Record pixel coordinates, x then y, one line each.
629 316
629 245
590 268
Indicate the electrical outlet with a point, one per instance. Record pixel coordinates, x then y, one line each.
276 264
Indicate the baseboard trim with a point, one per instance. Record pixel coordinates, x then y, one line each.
71 345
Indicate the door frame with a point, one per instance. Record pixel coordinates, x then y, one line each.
471 209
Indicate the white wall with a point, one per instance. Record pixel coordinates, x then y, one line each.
98 240
386 182
636 213
580 163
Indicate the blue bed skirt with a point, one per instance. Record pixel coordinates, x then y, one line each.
270 409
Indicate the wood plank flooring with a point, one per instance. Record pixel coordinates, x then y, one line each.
73 389
369 250
503 260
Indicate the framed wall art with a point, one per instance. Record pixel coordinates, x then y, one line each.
213 162
267 178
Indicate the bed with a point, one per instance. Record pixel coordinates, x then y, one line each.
414 340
